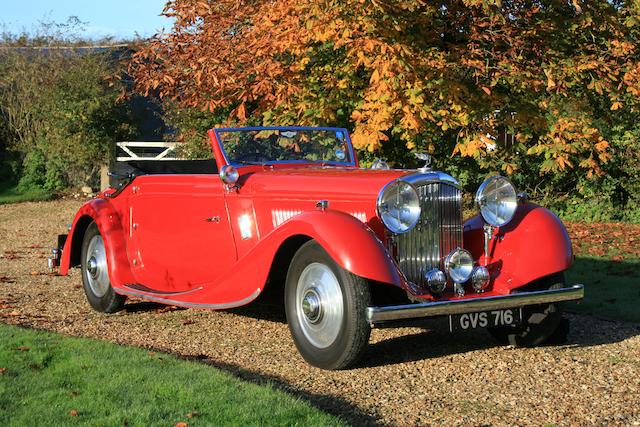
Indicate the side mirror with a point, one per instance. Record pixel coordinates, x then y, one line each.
229 175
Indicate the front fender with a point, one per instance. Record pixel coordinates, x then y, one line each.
108 221
350 242
534 244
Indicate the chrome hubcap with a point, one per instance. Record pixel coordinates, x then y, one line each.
96 267
92 266
311 306
320 307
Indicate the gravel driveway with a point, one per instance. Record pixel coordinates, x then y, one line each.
409 376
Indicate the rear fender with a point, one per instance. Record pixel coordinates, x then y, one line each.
108 221
534 244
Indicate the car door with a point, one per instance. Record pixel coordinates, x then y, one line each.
180 234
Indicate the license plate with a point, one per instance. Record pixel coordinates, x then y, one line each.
485 319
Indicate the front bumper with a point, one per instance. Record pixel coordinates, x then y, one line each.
472 305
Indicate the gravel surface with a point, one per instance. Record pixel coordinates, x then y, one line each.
409 376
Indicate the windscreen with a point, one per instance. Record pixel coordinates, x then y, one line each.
273 145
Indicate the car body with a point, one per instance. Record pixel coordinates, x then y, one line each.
353 248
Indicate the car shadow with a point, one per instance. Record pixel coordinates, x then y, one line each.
261 311
330 404
583 331
591 331
145 306
424 345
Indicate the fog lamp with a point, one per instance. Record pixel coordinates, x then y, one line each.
459 265
480 278
436 280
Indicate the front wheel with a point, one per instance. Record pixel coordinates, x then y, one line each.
95 273
326 307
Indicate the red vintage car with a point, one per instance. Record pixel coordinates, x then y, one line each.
353 248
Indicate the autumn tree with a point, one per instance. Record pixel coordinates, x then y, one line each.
519 85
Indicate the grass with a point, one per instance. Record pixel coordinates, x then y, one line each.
608 264
612 288
12 195
50 379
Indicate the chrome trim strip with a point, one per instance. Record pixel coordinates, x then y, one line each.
224 306
471 305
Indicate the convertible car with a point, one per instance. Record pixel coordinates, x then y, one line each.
350 248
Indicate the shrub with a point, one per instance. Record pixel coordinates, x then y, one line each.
60 113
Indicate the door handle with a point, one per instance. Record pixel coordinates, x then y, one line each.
213 219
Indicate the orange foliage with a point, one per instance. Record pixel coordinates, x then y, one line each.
396 71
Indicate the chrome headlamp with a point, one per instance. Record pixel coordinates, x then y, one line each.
497 200
398 206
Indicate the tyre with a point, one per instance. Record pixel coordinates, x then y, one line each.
540 323
95 274
326 307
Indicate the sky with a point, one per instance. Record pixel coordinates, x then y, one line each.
118 18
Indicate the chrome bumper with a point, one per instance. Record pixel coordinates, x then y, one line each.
440 308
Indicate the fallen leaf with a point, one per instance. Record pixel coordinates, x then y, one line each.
11 255
192 414
73 413
3 370
23 348
34 273
167 309
188 322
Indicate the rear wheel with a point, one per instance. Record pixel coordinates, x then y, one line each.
95 273
540 323
326 307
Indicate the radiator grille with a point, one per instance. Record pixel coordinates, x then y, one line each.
438 232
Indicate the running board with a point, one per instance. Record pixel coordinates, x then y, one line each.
163 298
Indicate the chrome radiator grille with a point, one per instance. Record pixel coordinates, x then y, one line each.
437 233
